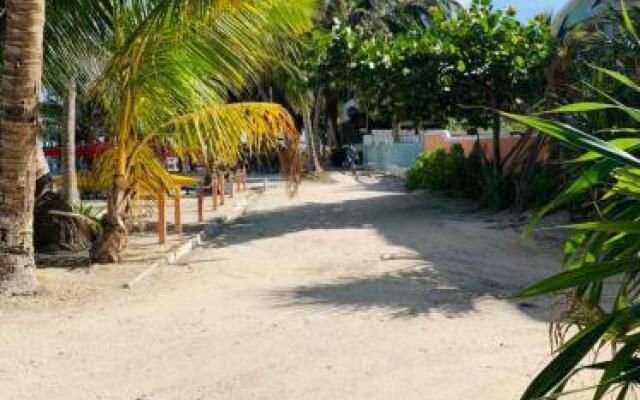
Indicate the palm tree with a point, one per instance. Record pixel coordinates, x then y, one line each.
21 76
303 101
70 178
171 70
72 55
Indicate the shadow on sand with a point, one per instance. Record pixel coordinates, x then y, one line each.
454 253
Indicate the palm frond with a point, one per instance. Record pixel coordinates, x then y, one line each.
147 175
223 131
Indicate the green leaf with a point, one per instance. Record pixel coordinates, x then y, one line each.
621 143
617 366
587 273
630 111
589 178
630 227
581 107
575 138
625 80
566 361
627 23
619 130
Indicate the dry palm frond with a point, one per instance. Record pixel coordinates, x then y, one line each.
172 68
223 130
147 176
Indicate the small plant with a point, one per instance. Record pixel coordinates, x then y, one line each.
90 214
458 175
438 172
415 178
433 171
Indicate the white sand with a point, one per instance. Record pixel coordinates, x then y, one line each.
350 291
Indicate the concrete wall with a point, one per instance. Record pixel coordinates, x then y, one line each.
382 153
391 157
443 139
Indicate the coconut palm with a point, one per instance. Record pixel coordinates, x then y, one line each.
171 68
163 71
73 58
21 74
302 100
70 178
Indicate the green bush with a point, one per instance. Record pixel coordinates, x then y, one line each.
431 171
451 172
459 175
438 172
415 178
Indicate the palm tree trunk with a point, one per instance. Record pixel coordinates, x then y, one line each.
20 90
333 105
316 122
497 155
70 179
113 239
314 162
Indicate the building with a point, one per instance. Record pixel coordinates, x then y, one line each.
576 12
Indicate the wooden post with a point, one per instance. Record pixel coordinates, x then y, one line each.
244 179
214 192
201 204
232 180
162 217
221 186
178 210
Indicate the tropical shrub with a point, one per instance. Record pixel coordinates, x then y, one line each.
439 172
415 178
451 172
433 171
600 279
474 177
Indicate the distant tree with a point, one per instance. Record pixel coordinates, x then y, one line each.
494 61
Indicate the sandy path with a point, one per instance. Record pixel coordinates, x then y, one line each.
351 291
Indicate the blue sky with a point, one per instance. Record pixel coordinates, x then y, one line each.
528 8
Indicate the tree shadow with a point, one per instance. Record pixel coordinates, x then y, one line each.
64 260
456 255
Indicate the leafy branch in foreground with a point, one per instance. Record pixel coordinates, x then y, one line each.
602 267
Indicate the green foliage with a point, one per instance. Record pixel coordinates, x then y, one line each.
434 171
481 56
492 60
451 172
416 175
573 77
90 214
601 258
473 177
